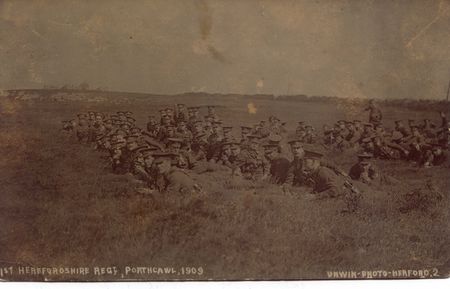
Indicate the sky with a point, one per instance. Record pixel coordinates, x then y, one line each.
345 48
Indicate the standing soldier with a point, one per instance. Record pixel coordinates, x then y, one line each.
375 115
214 140
181 113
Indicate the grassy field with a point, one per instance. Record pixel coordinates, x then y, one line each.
61 206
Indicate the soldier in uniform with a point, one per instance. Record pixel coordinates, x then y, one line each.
428 128
246 131
354 135
295 176
214 140
183 159
328 135
400 127
279 166
181 113
227 130
435 155
340 144
171 179
184 133
310 136
212 112
375 115
83 131
327 184
127 157
255 166
364 170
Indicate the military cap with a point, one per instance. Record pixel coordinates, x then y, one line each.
367 139
120 112
118 142
229 142
245 128
182 122
149 151
356 121
301 122
274 138
254 136
199 135
180 104
227 128
411 120
341 121
132 138
368 124
364 157
398 121
160 156
82 114
217 122
309 154
268 144
198 122
175 140
101 137
169 109
129 118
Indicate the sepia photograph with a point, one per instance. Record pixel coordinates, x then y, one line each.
224 140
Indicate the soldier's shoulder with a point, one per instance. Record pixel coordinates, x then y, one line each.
325 172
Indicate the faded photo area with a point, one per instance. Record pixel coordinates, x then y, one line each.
224 140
